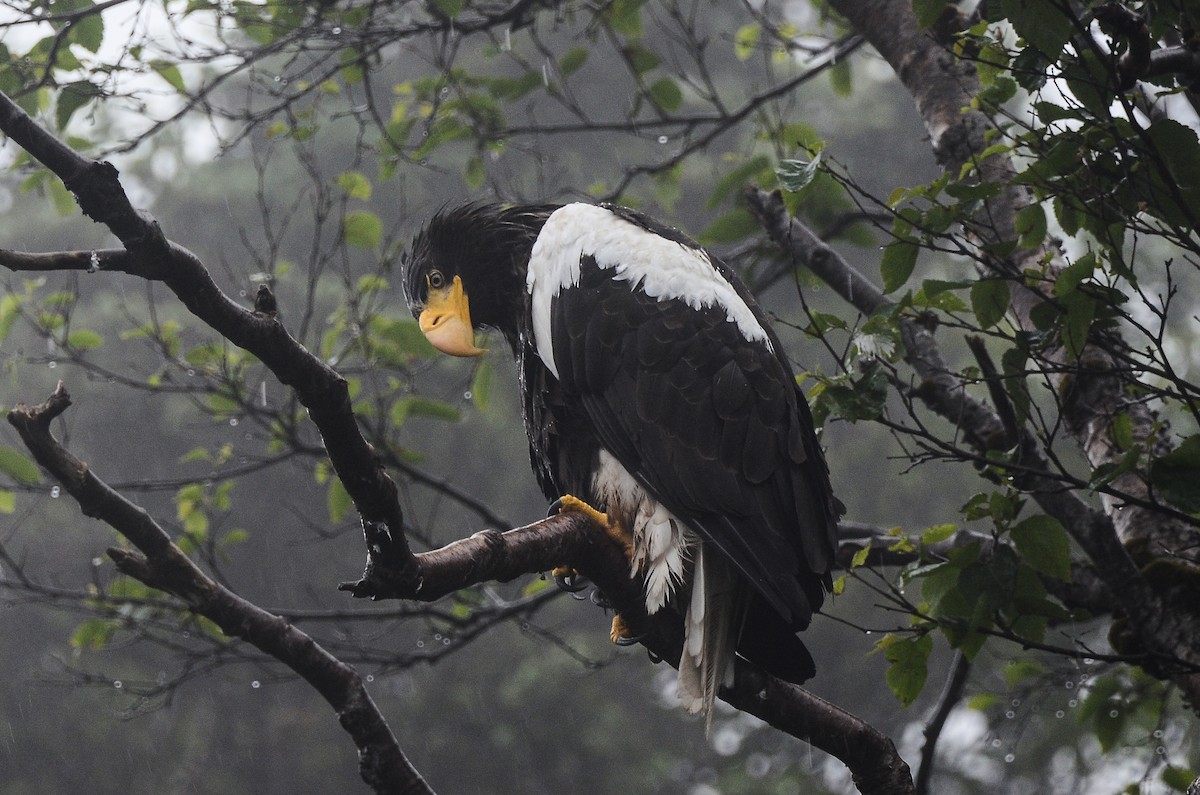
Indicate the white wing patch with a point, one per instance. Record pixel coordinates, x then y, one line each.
661 268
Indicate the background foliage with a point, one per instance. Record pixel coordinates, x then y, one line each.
1052 269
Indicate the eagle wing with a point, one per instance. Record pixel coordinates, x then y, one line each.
681 380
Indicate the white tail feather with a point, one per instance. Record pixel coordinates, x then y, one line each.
708 647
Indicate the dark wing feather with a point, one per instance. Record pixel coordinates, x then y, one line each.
710 424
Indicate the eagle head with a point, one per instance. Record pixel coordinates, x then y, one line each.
466 271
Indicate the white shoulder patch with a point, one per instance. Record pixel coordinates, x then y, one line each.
661 268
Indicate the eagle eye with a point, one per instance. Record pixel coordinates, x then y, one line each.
435 279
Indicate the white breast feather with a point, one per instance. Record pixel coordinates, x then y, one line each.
661 268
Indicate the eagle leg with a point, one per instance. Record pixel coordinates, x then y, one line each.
565 576
612 528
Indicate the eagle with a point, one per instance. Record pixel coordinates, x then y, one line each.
654 390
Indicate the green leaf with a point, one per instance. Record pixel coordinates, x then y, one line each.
415 405
989 301
909 660
928 12
1044 544
938 533
860 556
362 229
355 184
795 175
451 8
731 227
1031 226
338 501
625 16
71 98
16 465
1081 311
982 702
641 60
8 501
94 634
475 173
745 40
1178 778
1020 670
666 94
1071 276
88 32
896 266
841 78
481 384
1176 476
84 339
736 179
1040 23
573 61
10 310
170 72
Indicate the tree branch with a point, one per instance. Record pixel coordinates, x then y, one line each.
150 255
160 564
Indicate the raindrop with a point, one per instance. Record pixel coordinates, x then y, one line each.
467 395
420 644
1112 713
52 364
1160 750
117 684
191 372
1059 714
1088 661
97 562
1158 733
1016 702
370 677
445 92
996 742
336 31
233 421
662 139
1010 714
1072 703
94 262
54 492
1068 684
437 636
255 684
1009 758
445 641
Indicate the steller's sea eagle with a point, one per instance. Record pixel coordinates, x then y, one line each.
653 389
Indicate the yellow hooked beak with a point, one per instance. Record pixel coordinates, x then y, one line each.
446 321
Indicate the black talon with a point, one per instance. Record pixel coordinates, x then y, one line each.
571 583
555 508
624 641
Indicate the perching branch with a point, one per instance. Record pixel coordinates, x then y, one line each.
160 564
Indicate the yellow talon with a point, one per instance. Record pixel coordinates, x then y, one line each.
620 634
562 572
614 529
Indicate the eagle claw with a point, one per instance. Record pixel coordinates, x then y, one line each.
569 580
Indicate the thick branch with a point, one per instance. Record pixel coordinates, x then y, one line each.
160 564
571 539
150 255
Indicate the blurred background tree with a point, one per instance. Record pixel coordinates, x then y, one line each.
973 223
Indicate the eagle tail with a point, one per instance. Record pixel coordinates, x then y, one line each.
714 612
